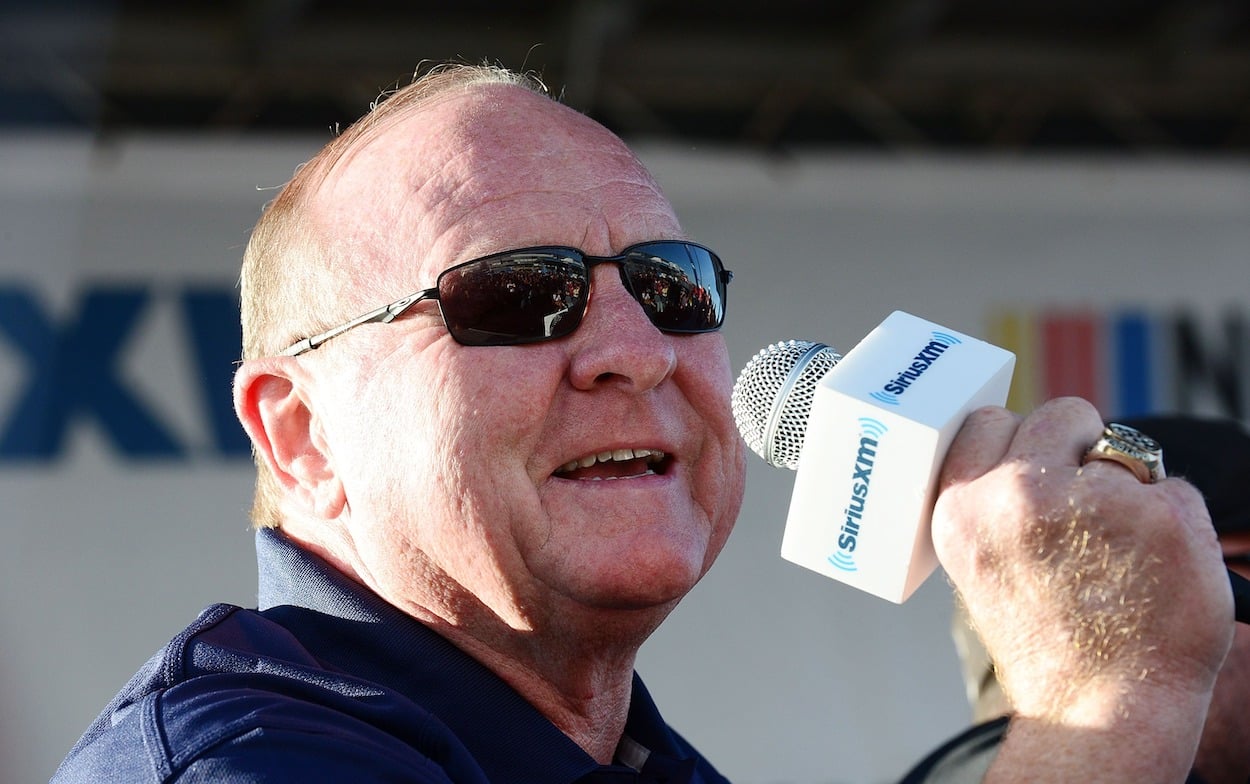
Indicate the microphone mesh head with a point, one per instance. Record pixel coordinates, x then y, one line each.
772 398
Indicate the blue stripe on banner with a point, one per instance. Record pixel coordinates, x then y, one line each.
1134 372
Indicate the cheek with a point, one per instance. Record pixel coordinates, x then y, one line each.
721 476
726 487
430 482
461 429
492 417
389 429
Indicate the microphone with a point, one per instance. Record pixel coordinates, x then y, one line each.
867 434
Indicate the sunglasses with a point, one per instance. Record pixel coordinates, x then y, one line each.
536 294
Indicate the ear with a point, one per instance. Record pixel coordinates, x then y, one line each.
271 398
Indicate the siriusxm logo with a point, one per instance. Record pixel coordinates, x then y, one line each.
870 433
933 350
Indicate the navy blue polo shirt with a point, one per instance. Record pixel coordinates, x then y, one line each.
326 682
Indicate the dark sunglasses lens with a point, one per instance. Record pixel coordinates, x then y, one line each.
513 298
679 285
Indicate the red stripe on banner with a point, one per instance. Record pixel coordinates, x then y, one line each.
1071 356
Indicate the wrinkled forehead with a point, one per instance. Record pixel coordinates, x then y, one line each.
491 168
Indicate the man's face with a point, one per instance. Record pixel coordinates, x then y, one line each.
456 460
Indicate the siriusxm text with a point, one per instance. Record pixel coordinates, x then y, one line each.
923 361
848 534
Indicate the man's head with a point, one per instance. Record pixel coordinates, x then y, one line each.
462 481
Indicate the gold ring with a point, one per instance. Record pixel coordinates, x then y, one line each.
1132 449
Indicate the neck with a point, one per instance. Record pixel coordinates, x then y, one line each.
586 694
574 663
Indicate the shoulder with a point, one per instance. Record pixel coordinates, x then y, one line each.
236 697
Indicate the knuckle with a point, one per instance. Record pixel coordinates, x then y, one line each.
990 416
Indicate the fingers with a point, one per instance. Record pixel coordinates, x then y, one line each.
979 445
1056 434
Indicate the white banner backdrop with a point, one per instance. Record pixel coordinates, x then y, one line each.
124 483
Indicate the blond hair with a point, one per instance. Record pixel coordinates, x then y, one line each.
292 277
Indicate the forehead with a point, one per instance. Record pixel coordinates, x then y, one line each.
491 168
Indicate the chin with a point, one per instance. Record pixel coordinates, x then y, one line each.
643 586
626 621
662 599
649 567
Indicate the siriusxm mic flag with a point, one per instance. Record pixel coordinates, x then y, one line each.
881 423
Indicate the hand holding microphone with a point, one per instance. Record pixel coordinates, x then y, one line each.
867 434
787 396
1099 593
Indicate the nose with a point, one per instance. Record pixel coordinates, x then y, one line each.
616 342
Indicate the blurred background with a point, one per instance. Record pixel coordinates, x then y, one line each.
1117 75
1070 180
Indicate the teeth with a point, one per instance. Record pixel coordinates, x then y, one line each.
613 455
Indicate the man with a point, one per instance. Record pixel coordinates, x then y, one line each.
1213 454
473 515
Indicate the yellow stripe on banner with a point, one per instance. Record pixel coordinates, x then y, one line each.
1013 330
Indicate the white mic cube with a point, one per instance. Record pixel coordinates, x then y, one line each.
881 423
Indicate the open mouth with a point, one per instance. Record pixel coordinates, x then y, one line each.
616 464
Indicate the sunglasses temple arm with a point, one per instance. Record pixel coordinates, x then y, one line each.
383 315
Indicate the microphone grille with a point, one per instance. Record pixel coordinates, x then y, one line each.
772 398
